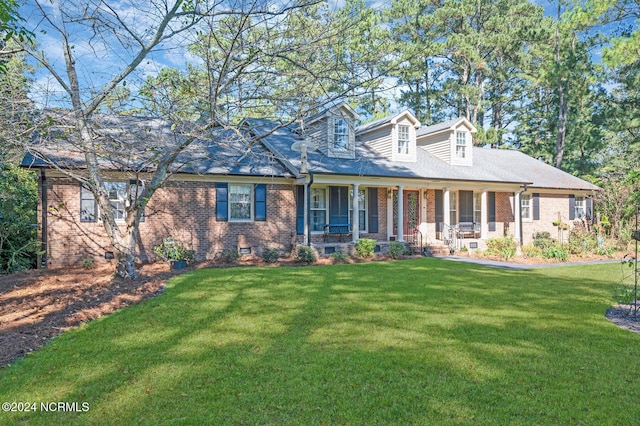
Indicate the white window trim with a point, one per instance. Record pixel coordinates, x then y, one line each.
526 200
477 207
251 203
579 204
453 207
335 147
326 207
399 151
125 201
461 135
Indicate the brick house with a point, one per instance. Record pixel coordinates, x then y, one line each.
299 179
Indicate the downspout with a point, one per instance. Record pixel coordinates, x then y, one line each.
43 206
308 236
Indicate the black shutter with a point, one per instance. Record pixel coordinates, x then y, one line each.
491 201
589 211
88 205
536 206
439 209
135 187
338 205
572 207
260 200
300 209
222 202
373 209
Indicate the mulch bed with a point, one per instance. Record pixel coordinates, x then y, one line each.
40 304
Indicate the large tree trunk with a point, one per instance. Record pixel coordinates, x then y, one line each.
562 99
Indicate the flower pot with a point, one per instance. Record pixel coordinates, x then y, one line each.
177 264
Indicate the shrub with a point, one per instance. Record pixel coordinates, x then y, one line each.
396 249
305 254
229 255
365 247
270 255
87 263
555 252
340 257
170 249
582 241
543 240
504 247
624 294
532 250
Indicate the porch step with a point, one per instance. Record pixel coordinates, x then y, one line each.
438 250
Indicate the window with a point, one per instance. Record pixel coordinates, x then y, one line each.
340 134
453 207
403 139
240 204
461 144
526 208
579 208
117 197
477 207
88 206
318 208
362 209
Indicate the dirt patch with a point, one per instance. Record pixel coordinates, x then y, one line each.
625 316
38 305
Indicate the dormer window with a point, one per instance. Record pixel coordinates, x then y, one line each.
403 139
461 144
340 134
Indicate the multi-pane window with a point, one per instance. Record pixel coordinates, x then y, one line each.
477 207
340 133
579 208
362 208
88 206
117 198
318 208
461 144
525 204
453 207
240 202
403 139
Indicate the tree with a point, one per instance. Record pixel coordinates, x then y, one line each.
243 46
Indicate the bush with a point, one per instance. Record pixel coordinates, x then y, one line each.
396 249
532 250
543 240
365 247
555 252
170 249
339 257
504 247
582 241
270 255
305 254
87 263
229 255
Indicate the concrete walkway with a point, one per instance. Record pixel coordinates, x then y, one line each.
521 266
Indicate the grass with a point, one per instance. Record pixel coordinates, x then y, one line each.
413 342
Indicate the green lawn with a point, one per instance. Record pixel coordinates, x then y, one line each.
421 341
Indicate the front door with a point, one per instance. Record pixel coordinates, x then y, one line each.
411 211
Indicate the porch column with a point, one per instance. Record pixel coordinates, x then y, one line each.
400 213
355 221
307 234
484 215
446 213
517 215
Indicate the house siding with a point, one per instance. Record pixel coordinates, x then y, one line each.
183 210
438 145
379 140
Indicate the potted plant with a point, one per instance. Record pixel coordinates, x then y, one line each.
175 253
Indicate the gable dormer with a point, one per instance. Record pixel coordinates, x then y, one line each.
450 141
333 131
393 137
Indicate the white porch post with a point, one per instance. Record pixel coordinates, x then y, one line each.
400 213
484 215
516 212
446 213
355 221
307 234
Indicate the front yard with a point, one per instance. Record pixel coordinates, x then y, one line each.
422 341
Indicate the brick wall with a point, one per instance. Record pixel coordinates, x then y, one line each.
184 210
552 207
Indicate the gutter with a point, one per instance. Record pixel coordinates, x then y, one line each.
43 206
